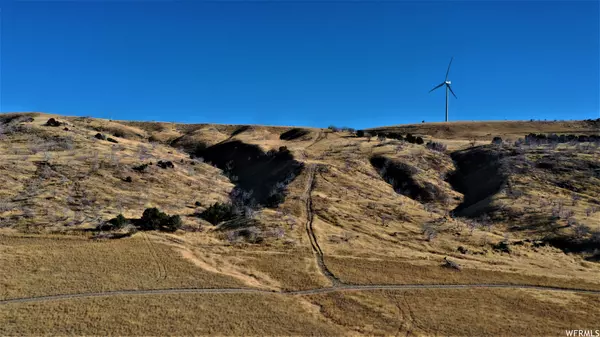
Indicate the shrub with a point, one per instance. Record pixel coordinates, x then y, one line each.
119 221
419 141
154 219
112 140
165 164
394 135
53 122
435 146
119 133
333 128
217 213
127 179
497 141
140 168
100 136
360 133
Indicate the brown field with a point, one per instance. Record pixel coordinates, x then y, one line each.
189 314
38 266
478 312
464 130
340 223
459 312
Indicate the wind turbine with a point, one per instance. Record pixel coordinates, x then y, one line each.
447 84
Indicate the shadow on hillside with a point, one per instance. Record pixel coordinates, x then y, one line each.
293 134
478 176
240 129
264 175
400 176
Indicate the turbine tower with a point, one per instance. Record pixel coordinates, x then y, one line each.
447 84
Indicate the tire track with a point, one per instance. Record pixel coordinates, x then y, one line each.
310 231
162 270
341 288
317 139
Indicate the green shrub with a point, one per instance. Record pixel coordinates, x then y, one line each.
154 219
218 213
119 221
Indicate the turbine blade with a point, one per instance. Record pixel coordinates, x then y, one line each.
449 87
449 64
437 86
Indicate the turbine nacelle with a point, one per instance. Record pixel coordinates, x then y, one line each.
448 82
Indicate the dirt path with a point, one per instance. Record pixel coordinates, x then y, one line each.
310 231
317 139
292 293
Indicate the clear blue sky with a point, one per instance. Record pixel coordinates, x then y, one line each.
312 63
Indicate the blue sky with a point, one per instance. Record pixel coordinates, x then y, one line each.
311 63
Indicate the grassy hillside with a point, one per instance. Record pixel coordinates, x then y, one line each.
305 209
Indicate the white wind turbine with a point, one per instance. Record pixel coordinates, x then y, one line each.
447 84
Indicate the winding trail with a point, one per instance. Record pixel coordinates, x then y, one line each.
175 291
310 231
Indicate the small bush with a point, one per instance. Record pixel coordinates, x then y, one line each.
112 140
140 168
360 133
217 213
53 122
119 133
165 164
435 146
154 219
127 179
497 141
394 135
119 221
100 136
419 141
333 128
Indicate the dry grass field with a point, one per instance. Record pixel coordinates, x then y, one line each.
318 209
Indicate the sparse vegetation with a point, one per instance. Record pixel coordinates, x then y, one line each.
511 214
435 146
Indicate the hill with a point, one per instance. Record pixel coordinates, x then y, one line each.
332 233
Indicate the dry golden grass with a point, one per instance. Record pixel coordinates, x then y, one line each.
489 129
57 183
38 266
480 312
173 315
374 271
